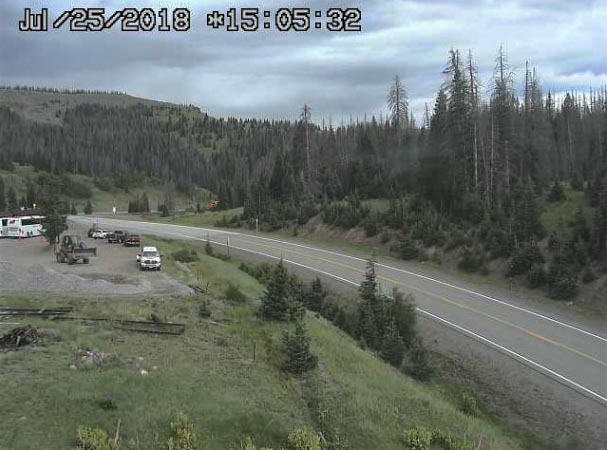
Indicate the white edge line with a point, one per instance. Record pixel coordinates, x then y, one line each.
468 291
518 355
465 330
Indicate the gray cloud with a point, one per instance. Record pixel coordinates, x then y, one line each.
270 74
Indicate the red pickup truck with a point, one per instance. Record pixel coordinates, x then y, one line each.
132 240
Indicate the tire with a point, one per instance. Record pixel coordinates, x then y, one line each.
85 261
71 261
60 258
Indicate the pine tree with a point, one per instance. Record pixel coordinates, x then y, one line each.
54 223
2 195
275 302
392 346
88 209
11 199
370 314
315 296
73 210
298 357
402 313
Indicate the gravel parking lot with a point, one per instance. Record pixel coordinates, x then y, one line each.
30 266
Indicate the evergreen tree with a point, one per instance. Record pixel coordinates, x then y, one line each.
392 346
275 302
11 199
402 313
2 195
73 210
88 209
298 357
367 320
315 296
54 223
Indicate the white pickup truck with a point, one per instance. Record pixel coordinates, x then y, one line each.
149 258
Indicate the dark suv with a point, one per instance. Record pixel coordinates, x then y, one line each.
120 236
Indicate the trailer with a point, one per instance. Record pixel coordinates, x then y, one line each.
72 249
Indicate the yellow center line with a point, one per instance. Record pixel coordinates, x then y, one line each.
446 300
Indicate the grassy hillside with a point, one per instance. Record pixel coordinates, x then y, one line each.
224 374
104 200
48 107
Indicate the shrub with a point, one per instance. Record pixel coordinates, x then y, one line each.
407 249
88 209
447 441
536 277
303 440
564 287
186 256
204 311
472 259
523 259
249 445
419 367
234 294
370 226
164 211
183 436
417 439
588 276
467 405
384 237
90 438
208 248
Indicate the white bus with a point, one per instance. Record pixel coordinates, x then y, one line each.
22 227
3 225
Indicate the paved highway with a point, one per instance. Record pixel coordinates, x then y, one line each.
574 356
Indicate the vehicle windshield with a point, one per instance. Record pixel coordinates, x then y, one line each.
150 254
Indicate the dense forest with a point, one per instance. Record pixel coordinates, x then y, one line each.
473 175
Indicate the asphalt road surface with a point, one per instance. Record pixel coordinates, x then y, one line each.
574 355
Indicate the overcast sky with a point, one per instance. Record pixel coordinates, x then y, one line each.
271 74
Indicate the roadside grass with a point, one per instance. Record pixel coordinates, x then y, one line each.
204 219
223 373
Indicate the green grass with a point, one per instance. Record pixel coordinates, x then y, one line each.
556 215
104 201
211 374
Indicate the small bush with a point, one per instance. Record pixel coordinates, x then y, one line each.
447 441
90 438
303 440
417 439
407 249
204 312
234 294
536 277
588 276
472 259
564 288
183 436
467 405
186 256
208 248
523 259
384 237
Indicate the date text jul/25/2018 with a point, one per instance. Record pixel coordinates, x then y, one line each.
181 20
